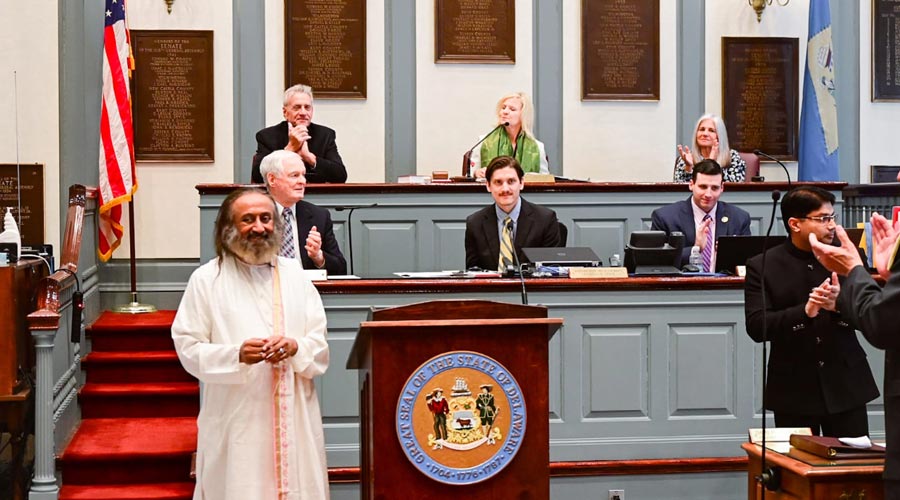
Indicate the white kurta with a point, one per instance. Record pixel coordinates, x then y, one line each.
235 450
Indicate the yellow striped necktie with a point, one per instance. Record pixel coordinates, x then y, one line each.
506 245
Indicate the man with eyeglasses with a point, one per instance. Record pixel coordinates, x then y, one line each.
818 375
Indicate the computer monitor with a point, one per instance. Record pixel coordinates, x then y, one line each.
733 251
649 253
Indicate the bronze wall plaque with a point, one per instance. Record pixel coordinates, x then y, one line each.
325 47
475 31
760 94
31 227
172 93
620 50
885 50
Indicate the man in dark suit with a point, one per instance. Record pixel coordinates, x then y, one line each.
702 217
818 375
526 224
308 232
876 312
314 143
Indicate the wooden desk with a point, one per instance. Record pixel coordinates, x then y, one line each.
808 476
17 418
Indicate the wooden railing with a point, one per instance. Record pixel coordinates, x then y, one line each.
54 296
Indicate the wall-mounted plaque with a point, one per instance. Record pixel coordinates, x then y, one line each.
172 94
760 94
31 225
884 173
885 50
475 31
620 50
325 47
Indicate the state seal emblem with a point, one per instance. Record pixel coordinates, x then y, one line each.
461 417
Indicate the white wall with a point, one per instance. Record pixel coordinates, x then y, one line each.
736 18
878 121
37 76
359 123
605 140
455 103
166 214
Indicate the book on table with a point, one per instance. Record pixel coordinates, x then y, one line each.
832 447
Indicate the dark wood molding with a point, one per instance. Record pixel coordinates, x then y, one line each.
606 468
513 285
560 187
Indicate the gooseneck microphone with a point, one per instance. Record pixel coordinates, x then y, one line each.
467 158
769 477
776 160
509 228
350 209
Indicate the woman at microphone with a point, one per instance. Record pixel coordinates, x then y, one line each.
710 142
511 137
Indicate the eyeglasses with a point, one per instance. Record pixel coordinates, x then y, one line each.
824 219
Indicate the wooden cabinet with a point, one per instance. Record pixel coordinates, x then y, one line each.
18 283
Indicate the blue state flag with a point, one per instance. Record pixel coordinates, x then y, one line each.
818 119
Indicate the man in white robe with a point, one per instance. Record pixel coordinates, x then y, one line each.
249 319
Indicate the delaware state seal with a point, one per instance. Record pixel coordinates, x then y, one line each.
461 417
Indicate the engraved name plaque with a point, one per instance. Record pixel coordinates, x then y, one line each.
325 47
172 93
475 31
31 225
760 94
620 50
886 50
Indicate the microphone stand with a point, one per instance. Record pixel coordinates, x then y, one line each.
769 477
776 160
467 171
350 209
518 265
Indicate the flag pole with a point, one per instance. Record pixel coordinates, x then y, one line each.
133 307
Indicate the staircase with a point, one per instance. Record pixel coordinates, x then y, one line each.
139 409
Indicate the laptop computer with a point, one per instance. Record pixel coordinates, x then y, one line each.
733 251
562 256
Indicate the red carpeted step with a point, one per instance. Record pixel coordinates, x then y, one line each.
134 366
167 399
151 491
130 450
132 332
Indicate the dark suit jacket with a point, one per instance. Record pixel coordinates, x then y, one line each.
536 227
679 216
816 366
876 312
329 166
309 215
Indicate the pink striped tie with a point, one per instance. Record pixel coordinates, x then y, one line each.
707 250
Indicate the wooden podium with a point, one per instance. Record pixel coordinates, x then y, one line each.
804 475
394 345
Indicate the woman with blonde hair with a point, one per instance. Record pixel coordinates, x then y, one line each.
710 142
514 138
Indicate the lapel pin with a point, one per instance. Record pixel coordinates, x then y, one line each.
724 218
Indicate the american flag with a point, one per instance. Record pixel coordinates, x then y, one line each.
117 182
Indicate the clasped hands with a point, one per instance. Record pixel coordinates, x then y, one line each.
823 296
298 142
274 349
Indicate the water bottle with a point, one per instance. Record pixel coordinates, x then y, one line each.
615 261
696 259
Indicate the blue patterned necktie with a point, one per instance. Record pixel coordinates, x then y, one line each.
707 250
287 243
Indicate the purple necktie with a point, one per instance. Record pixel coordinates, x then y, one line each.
707 250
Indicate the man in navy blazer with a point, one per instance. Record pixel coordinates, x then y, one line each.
314 143
688 216
531 225
311 229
